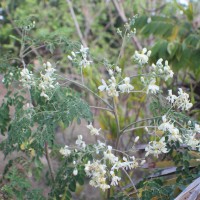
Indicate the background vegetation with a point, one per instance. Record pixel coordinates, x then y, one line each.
169 28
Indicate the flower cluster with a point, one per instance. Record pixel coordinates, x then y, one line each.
156 147
152 87
192 141
113 87
27 79
126 86
105 165
65 151
163 71
97 172
174 134
181 101
47 80
93 131
84 62
142 57
80 143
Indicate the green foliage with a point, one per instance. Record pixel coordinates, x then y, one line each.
18 187
178 42
156 189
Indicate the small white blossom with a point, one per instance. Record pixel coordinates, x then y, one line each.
126 87
191 141
108 155
75 172
152 87
26 78
156 148
143 162
197 128
93 131
115 179
143 57
136 139
97 172
80 142
110 71
103 86
65 151
69 57
182 101
119 70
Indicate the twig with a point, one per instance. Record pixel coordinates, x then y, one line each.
101 108
49 161
76 23
131 182
117 122
138 122
85 87
120 10
18 30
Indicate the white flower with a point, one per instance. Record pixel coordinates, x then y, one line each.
152 87
26 78
97 172
84 50
174 132
197 128
65 151
108 155
143 162
175 135
93 131
143 57
182 101
119 70
163 71
73 54
149 20
142 79
136 139
110 71
192 141
69 57
103 86
47 80
44 95
126 87
75 172
85 63
100 145
171 98
115 179
156 148
80 142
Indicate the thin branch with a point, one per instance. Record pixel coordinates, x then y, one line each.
117 122
78 30
49 162
18 30
85 87
139 127
131 182
120 10
101 108
138 122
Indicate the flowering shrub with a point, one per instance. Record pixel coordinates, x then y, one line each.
43 102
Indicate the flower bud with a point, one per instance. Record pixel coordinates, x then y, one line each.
75 172
136 139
